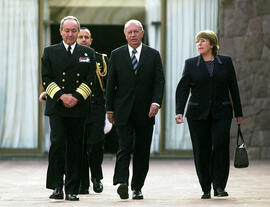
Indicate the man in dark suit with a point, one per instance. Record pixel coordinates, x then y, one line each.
68 71
94 126
133 97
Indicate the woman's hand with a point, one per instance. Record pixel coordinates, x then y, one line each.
179 119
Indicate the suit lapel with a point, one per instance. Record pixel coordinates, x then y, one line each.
127 58
63 55
74 58
142 57
202 67
76 53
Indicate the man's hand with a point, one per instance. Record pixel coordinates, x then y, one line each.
42 97
110 117
179 119
153 110
68 100
239 120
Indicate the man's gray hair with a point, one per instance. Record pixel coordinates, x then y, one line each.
69 18
137 22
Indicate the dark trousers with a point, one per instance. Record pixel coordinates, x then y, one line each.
210 141
92 158
65 153
137 140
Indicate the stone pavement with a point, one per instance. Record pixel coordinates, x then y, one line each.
169 183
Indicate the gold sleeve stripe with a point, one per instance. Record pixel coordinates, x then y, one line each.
52 89
84 90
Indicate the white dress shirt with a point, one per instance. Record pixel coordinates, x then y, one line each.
72 46
138 53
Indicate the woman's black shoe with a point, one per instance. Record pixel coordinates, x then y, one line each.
206 195
219 192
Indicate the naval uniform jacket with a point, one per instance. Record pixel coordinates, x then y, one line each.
63 73
209 95
129 94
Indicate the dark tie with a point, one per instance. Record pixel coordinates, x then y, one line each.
69 50
134 60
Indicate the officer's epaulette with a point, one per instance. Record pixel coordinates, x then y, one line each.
102 54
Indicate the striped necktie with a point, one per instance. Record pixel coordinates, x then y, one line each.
134 60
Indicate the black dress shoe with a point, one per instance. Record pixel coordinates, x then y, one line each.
219 192
122 191
137 195
72 197
206 195
57 194
97 185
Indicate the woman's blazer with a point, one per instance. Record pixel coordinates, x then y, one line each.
209 95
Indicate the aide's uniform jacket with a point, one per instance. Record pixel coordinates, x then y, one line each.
209 95
97 100
63 73
94 125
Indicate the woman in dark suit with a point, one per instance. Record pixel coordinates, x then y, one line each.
211 80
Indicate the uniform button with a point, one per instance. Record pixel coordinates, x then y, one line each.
63 80
44 83
77 81
64 73
93 94
91 83
78 74
63 87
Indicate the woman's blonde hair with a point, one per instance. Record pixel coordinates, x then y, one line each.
212 37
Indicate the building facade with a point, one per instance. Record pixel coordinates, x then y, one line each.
243 27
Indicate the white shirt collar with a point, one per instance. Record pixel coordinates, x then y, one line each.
72 46
138 49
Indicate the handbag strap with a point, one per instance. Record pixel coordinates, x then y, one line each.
239 135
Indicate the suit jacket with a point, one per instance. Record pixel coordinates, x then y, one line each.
67 74
129 95
209 95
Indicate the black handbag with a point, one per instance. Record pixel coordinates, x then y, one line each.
240 156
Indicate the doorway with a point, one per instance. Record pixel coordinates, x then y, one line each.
105 37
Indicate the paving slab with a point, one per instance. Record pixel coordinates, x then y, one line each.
169 183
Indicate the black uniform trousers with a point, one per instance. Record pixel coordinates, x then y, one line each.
210 141
92 158
134 139
65 153
93 151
